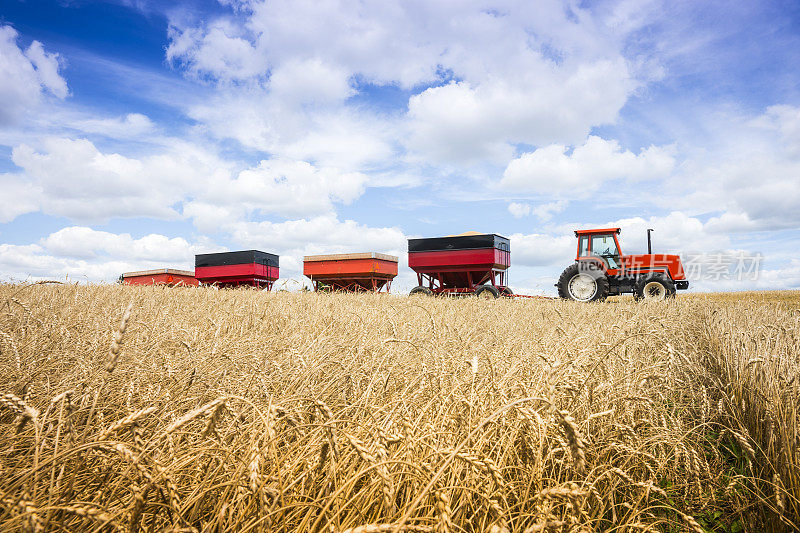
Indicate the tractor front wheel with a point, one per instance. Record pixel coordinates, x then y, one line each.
582 283
654 287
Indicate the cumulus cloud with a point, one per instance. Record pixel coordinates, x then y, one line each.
25 75
484 120
328 135
309 81
539 249
519 210
749 181
81 182
82 242
359 39
485 79
675 232
551 169
278 186
543 212
20 197
73 178
86 254
221 50
321 234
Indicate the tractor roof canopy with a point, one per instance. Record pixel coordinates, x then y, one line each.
579 232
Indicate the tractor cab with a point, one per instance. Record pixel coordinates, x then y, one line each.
600 244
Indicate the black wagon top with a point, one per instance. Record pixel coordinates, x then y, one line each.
459 242
240 257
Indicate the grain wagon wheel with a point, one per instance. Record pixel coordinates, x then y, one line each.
424 291
487 292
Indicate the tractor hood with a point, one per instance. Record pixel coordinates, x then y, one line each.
670 263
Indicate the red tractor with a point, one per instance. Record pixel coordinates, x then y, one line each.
600 270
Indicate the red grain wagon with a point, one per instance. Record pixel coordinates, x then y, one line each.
161 276
241 268
471 263
359 272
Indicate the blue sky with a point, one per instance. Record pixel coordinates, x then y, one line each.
134 134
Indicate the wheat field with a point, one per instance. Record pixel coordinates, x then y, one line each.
156 409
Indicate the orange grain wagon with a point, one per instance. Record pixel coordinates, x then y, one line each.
162 276
359 272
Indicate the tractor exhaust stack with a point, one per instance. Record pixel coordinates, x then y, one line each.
649 242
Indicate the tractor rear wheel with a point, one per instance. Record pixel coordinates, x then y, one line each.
425 291
583 284
654 287
489 292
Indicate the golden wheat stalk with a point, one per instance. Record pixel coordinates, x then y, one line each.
116 341
127 421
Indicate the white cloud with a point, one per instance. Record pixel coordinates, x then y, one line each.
490 78
357 38
279 186
82 242
221 50
129 126
74 179
46 66
19 197
786 120
309 81
543 212
780 278
395 42
25 75
674 233
468 121
210 218
551 170
327 135
319 234
82 183
519 210
539 249
750 180
86 254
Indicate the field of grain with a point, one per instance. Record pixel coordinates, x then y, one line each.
143 408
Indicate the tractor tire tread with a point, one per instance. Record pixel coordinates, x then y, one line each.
419 289
603 287
487 288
